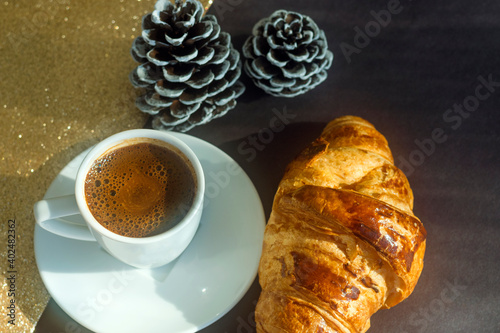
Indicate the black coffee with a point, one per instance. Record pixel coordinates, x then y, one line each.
140 190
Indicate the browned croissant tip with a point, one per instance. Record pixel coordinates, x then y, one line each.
348 119
356 132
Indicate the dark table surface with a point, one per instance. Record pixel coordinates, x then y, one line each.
429 80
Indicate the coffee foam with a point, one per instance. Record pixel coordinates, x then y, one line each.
140 189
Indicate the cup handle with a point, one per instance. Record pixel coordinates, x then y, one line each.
49 213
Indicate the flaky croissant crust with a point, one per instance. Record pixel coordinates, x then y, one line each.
342 241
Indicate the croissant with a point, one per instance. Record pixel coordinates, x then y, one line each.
342 241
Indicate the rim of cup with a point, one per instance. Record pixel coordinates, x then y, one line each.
112 141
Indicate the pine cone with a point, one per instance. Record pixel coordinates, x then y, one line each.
189 68
287 55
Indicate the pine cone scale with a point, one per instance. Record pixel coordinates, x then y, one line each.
204 56
277 57
299 55
217 87
139 50
192 96
170 90
185 53
169 120
221 54
146 107
182 110
175 40
220 70
201 79
200 31
180 73
153 98
294 70
159 57
263 68
279 82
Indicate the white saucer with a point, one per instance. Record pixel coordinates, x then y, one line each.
202 285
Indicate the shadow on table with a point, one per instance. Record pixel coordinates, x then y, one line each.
264 155
264 161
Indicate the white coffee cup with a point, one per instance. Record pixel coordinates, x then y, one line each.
145 252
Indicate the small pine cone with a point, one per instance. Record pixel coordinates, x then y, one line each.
189 68
287 54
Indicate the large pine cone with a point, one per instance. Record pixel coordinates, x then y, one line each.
189 68
287 54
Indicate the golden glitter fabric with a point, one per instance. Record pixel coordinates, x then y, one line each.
64 85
